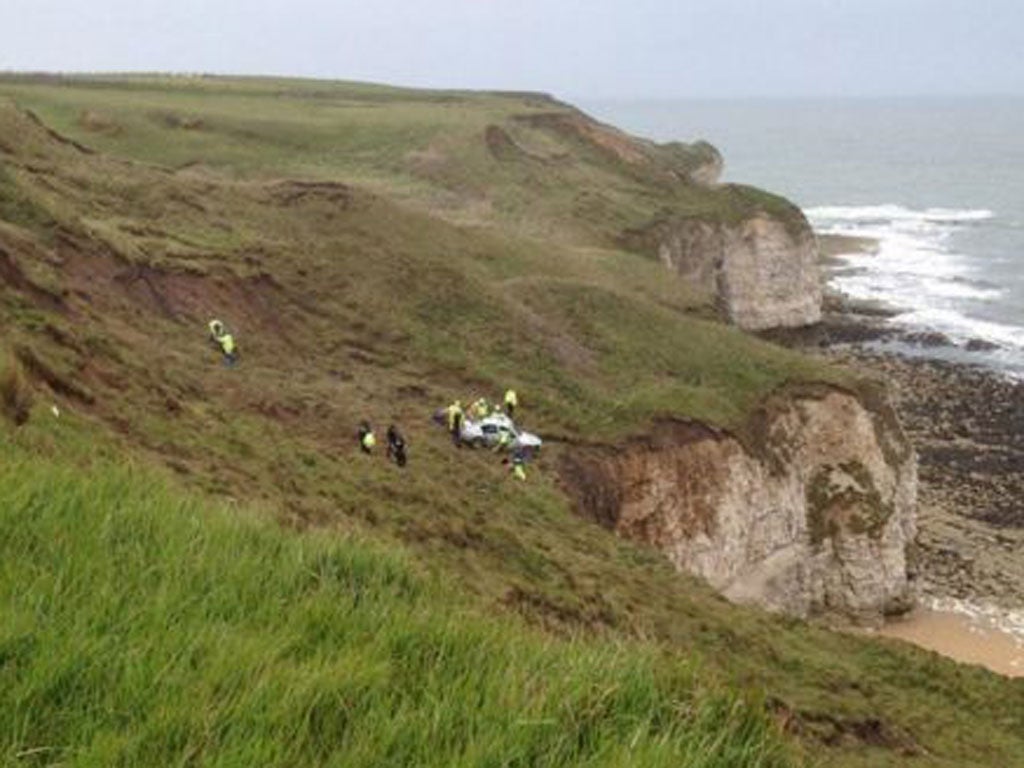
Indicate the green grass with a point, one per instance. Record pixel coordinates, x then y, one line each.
349 305
416 296
426 148
140 627
16 208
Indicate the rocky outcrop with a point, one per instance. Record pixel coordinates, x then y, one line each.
700 162
813 515
763 271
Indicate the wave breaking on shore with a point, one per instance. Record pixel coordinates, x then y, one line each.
917 267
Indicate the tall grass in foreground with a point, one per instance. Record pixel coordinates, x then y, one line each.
139 628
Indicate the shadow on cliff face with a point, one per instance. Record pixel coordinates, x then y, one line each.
596 479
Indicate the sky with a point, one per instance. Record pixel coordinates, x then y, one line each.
571 48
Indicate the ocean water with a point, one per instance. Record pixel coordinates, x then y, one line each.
938 183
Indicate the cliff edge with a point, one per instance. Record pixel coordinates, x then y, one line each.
751 253
356 295
763 271
813 516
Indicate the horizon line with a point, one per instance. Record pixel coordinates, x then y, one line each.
567 96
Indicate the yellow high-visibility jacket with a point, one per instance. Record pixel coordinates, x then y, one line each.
454 412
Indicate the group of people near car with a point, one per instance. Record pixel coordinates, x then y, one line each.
481 408
489 424
483 422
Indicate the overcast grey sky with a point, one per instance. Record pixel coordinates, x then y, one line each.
573 48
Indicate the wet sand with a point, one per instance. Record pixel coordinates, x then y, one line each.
978 639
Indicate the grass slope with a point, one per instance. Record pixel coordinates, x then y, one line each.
350 305
138 627
524 160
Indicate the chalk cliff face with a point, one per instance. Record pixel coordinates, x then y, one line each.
815 515
763 271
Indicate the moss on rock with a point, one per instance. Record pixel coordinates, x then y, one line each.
844 497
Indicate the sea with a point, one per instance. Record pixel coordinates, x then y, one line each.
938 183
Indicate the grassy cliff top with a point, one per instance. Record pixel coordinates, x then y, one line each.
525 160
356 292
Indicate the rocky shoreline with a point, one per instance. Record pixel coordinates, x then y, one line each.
967 425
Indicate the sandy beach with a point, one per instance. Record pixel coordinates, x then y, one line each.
965 634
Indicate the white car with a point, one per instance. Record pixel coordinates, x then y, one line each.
488 431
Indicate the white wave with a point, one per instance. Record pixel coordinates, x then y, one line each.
916 267
952 289
892 212
956 288
915 272
960 327
1009 621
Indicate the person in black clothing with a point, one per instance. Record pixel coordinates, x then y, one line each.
396 446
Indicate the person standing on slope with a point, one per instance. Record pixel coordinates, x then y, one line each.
396 446
367 440
455 419
519 466
480 408
224 341
511 402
